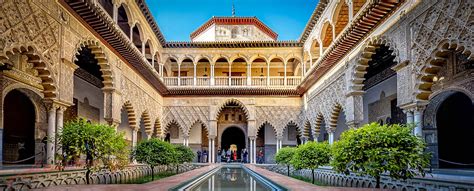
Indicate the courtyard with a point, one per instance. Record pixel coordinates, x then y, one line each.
230 95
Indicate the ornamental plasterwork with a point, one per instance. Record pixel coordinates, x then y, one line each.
324 99
277 116
23 24
446 20
130 92
185 116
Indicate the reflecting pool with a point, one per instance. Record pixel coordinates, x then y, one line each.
230 177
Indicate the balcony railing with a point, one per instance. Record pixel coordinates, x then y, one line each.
259 81
221 81
234 81
203 81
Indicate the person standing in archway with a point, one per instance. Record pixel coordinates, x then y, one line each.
228 155
204 156
199 156
260 156
245 154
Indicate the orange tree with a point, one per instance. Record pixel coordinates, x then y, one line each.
377 149
284 156
311 156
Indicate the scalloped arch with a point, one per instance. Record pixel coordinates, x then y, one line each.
232 101
362 62
48 81
438 58
102 60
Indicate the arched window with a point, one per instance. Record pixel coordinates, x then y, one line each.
234 33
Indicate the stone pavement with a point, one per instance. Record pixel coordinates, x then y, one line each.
158 185
172 181
295 184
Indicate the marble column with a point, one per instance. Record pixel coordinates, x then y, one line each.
410 116
418 120
134 137
59 124
277 146
209 148
115 13
230 74
249 75
331 136
179 74
195 75
254 151
213 148
268 73
285 81
51 134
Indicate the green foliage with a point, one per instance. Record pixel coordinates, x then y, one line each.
284 155
101 144
149 178
311 155
375 149
105 146
183 154
154 152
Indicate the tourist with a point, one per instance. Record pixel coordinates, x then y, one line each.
245 155
234 156
218 155
223 158
204 156
199 156
228 155
260 157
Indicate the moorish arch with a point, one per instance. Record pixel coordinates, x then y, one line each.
448 126
373 84
124 18
174 132
128 122
320 128
362 63
98 51
327 34
145 129
266 140
337 123
132 119
438 59
24 125
48 80
293 131
307 134
233 103
340 17
157 131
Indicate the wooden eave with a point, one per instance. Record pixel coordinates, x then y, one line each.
103 27
358 30
232 91
233 44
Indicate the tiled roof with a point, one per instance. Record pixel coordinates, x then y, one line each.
235 21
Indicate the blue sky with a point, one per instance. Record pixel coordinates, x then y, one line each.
178 18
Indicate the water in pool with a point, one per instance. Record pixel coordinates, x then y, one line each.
231 178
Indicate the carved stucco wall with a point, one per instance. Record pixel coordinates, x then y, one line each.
322 100
55 37
414 38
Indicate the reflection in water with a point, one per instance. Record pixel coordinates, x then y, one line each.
231 179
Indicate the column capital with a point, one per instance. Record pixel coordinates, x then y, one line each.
211 137
53 105
252 137
279 137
